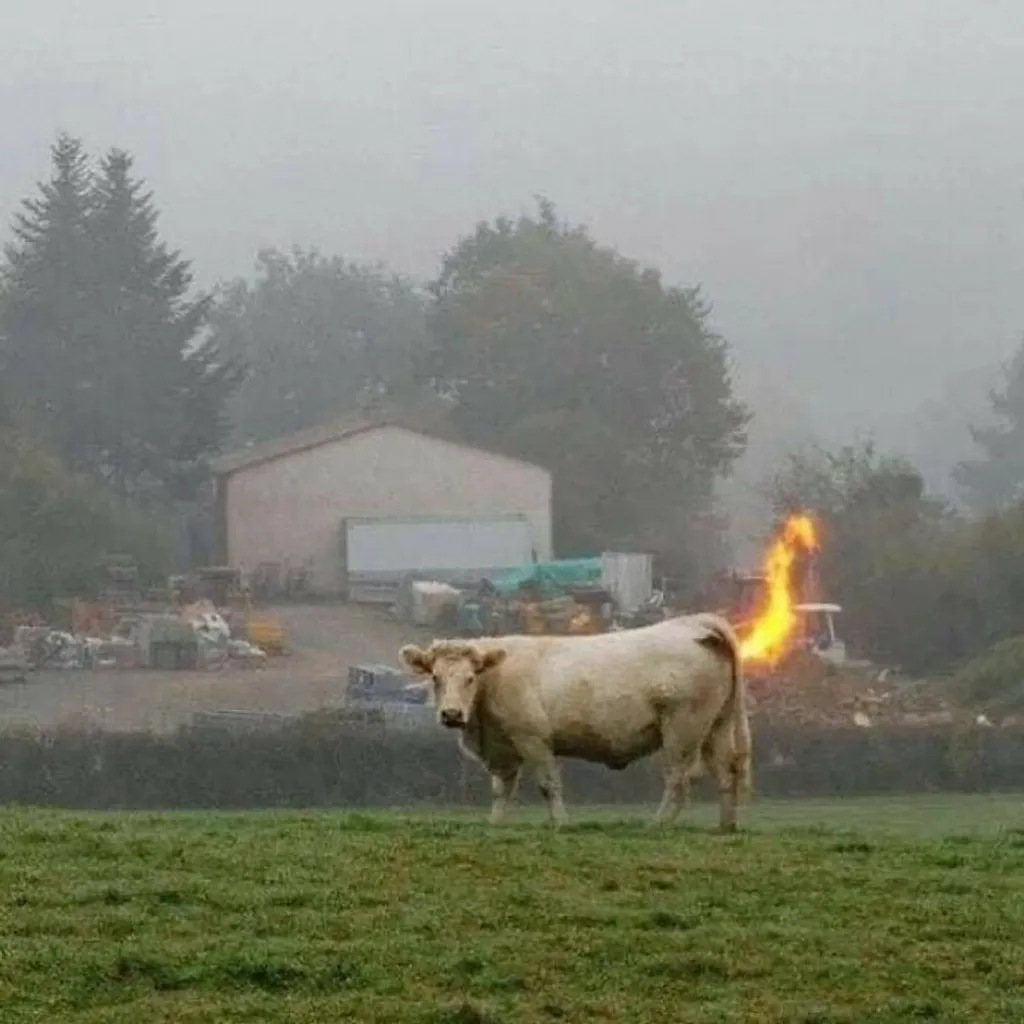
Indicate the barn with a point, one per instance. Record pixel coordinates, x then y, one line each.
359 503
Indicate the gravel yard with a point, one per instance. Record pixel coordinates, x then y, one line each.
325 641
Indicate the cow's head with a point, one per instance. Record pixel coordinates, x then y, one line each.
453 670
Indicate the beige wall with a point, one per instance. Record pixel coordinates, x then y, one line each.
289 510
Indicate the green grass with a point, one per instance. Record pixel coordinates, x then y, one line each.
936 815
880 910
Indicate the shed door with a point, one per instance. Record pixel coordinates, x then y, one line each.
397 546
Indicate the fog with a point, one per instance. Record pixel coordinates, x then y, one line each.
846 181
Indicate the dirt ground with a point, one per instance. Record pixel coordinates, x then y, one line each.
325 641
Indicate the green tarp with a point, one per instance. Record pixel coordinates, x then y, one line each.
550 578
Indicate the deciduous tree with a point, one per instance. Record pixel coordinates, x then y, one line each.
319 337
996 479
561 351
889 552
54 524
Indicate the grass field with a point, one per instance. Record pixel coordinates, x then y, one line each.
880 910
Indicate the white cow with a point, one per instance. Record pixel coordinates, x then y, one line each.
676 686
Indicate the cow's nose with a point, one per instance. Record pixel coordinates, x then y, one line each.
451 717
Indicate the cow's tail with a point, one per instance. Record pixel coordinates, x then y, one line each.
722 638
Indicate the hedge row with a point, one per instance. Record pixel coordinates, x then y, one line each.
314 765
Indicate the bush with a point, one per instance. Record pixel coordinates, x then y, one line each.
54 524
993 680
330 766
921 586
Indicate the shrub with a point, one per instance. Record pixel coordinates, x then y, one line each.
993 680
349 766
54 524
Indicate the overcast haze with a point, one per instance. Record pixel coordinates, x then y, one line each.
845 179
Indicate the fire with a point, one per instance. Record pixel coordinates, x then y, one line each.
774 626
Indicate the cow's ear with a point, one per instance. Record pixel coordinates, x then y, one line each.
486 660
420 661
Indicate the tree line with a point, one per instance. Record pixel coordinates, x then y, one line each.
533 340
119 381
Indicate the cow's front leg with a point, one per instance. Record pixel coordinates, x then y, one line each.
549 781
536 754
503 786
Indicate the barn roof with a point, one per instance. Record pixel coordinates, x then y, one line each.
339 429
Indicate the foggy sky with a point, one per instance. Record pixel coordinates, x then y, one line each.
844 178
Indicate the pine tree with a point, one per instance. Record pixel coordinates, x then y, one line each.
47 358
166 386
100 339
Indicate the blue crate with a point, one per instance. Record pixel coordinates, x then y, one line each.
382 684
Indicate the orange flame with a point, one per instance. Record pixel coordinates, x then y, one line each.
774 627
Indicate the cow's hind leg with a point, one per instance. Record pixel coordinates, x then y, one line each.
503 786
721 759
680 745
